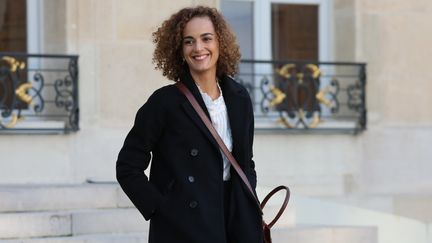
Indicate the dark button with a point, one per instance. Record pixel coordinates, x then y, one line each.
191 179
193 204
194 152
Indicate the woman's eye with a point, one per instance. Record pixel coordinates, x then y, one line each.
188 42
207 39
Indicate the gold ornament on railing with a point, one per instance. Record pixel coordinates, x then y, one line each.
14 64
279 96
287 71
320 96
21 92
12 122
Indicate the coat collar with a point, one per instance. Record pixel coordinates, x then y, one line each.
235 99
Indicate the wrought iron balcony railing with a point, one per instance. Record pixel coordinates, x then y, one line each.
38 93
306 96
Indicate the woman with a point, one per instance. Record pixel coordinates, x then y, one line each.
192 194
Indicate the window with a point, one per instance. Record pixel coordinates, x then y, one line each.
294 31
278 30
289 74
281 29
13 25
13 38
38 92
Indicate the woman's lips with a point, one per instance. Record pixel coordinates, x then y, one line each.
200 57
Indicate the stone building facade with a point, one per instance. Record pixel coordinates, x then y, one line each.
386 167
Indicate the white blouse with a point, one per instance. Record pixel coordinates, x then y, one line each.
219 118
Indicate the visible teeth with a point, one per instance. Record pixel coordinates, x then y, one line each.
200 57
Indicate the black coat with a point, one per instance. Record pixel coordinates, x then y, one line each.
183 196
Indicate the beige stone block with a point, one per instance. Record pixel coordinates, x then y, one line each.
137 19
54 27
344 18
72 27
344 46
291 155
127 78
396 160
92 238
211 3
339 5
325 234
88 83
29 159
396 6
407 103
372 51
26 225
85 20
122 200
110 221
414 206
95 151
396 54
94 20
26 198
104 19
381 203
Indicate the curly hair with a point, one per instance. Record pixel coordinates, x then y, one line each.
168 38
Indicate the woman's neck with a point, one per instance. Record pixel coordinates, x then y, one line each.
207 84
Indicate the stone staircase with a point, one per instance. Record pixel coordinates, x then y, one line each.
101 213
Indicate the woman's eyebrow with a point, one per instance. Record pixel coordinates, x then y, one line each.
202 35
205 34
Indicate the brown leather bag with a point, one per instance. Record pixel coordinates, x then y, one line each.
236 166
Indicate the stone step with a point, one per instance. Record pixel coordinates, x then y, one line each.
307 185
96 238
325 234
280 235
21 225
92 221
75 222
24 198
414 206
28 198
108 221
116 224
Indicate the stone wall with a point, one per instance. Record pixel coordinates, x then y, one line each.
113 40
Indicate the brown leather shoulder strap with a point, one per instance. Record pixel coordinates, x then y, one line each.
216 136
236 166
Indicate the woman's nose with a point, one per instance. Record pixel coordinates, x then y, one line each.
198 45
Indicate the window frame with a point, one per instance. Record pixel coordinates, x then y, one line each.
262 28
34 26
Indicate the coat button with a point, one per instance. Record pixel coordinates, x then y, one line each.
194 152
193 204
191 179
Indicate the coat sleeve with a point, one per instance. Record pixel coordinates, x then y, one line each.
134 157
251 138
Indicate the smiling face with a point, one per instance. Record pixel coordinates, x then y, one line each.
200 46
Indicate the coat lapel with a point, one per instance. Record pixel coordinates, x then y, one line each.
236 103
190 84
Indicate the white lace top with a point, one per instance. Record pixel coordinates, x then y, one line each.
219 118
